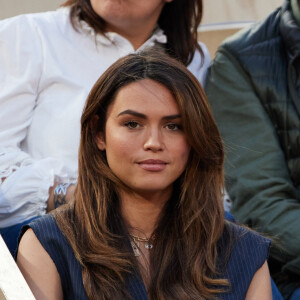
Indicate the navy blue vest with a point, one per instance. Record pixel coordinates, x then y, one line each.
248 254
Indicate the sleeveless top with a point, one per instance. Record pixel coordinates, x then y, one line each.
249 252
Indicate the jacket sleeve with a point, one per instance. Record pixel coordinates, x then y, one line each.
257 177
22 179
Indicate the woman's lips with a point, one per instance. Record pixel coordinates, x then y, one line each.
153 165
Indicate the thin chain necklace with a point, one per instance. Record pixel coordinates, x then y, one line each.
135 244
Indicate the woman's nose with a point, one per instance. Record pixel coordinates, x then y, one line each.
154 141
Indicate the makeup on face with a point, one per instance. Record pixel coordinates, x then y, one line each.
145 144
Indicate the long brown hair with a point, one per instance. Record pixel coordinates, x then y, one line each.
179 20
184 257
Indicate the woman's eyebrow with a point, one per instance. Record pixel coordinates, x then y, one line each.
171 117
143 116
133 113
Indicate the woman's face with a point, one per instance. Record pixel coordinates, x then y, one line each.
119 14
145 145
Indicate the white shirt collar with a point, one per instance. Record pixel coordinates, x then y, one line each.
114 38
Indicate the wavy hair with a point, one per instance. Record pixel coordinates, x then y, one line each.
179 20
183 261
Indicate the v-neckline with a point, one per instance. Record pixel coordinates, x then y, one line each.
135 284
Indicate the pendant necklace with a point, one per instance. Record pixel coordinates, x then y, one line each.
135 244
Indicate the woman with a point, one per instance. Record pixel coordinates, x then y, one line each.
48 64
148 219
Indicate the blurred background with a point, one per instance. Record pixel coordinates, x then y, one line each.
221 18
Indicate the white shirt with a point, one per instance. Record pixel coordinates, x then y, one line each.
46 72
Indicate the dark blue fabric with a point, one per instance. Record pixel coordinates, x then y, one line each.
275 292
10 235
229 217
249 252
295 295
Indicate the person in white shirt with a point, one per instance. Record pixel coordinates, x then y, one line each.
48 64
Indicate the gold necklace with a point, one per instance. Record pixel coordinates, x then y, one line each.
135 244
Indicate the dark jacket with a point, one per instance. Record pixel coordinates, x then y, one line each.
253 86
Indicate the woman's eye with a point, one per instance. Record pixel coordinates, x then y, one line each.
173 126
132 125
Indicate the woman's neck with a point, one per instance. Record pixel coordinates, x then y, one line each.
141 212
136 36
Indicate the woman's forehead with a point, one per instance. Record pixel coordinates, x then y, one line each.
145 96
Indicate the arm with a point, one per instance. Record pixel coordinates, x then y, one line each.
257 177
33 260
260 287
59 198
23 179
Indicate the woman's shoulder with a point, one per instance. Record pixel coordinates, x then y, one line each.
242 252
243 235
47 232
247 247
46 221
61 253
49 236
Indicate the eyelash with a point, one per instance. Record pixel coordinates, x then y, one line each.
129 124
137 125
178 126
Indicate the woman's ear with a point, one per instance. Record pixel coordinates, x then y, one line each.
99 136
100 141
